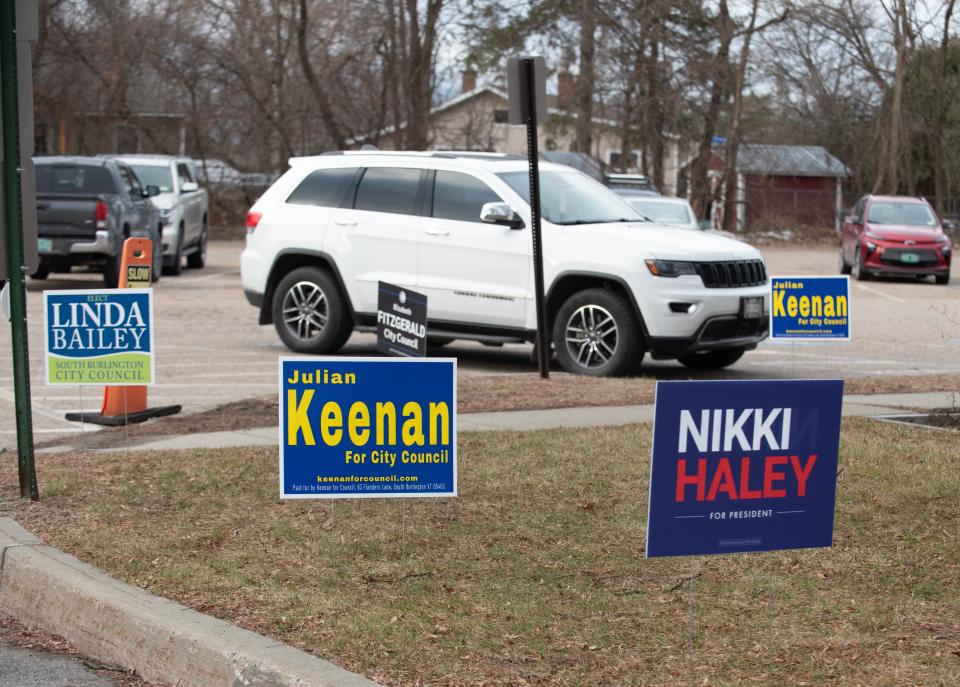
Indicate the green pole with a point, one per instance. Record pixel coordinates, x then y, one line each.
14 238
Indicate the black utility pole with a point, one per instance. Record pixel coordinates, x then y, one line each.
14 241
525 78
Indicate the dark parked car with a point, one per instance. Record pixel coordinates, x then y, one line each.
86 208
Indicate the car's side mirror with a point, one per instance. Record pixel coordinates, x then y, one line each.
704 225
500 213
189 187
950 225
150 191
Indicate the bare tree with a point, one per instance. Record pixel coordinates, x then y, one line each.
730 177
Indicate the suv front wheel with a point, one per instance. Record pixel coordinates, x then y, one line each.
310 313
596 333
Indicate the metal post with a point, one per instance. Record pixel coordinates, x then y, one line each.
533 157
13 226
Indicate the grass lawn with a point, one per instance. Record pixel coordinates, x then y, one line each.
535 575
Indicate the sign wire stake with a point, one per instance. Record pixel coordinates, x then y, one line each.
770 647
83 443
333 536
691 621
403 528
126 424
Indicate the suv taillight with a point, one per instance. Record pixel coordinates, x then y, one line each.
253 219
101 214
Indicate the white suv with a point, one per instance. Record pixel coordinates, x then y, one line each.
456 227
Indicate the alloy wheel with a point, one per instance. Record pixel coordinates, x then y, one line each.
305 311
591 336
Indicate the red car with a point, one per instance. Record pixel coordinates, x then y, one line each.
894 236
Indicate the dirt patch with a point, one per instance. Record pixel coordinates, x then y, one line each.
536 574
476 394
773 233
35 639
941 418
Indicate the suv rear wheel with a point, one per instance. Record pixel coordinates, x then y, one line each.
310 313
174 263
198 258
597 333
712 360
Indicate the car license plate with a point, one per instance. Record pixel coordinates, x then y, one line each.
909 258
751 307
44 245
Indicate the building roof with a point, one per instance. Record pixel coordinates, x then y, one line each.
552 109
784 160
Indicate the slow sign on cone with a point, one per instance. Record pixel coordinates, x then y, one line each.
128 404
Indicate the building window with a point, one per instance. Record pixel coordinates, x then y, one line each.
501 117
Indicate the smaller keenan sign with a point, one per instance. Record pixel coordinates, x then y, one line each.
743 466
401 321
368 427
99 337
810 308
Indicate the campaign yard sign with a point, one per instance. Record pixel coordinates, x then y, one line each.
810 308
401 321
368 427
743 466
99 337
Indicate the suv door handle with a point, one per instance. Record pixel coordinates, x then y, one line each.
438 232
345 222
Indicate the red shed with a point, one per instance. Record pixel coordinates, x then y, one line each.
782 183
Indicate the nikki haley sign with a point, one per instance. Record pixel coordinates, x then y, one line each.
743 466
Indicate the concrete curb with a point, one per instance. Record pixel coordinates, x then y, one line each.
125 626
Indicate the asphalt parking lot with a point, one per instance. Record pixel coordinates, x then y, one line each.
211 351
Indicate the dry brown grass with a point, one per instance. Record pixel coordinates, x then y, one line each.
535 574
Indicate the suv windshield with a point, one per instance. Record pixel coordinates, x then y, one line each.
155 175
913 214
573 198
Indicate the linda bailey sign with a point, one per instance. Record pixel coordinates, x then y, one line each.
743 466
368 427
99 336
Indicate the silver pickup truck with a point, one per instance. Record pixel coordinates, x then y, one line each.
183 207
86 208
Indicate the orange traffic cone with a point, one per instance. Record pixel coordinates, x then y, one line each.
124 405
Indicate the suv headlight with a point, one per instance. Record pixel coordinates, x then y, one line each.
670 268
166 215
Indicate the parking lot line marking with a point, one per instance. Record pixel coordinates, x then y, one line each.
879 293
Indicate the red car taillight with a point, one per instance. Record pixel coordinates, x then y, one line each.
253 219
102 211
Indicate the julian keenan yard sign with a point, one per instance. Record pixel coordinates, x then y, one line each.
368 427
810 308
